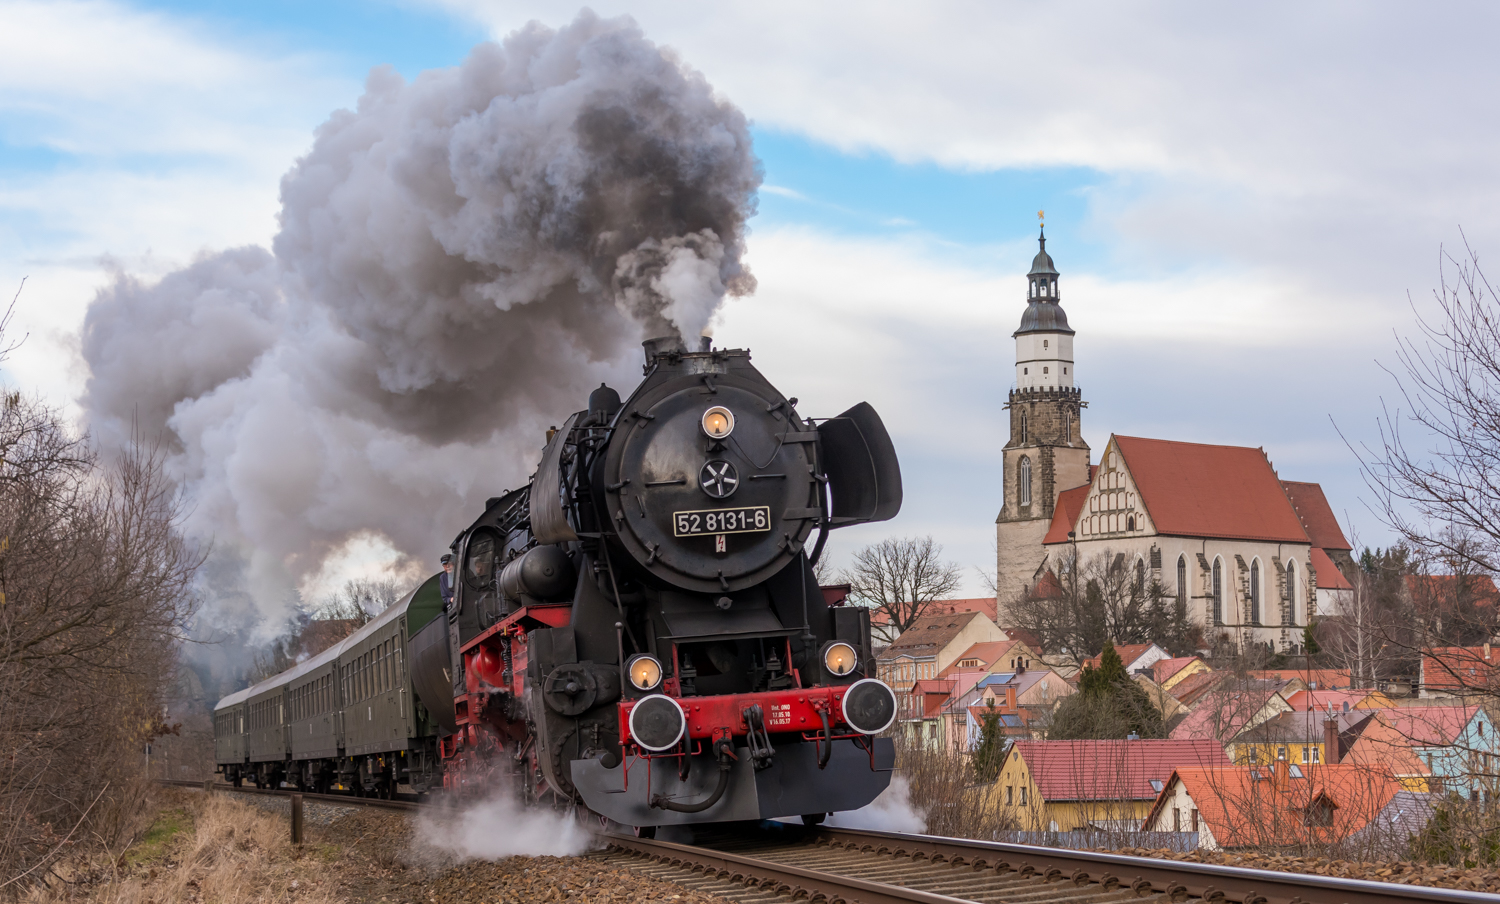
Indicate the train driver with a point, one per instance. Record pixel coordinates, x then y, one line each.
445 581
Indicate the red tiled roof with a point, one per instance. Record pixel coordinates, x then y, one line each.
1198 490
1065 515
1317 516
1166 668
1110 770
1459 668
1024 636
984 604
1128 653
1188 690
1446 588
1429 726
1329 576
1319 701
988 652
930 633
1316 679
1264 805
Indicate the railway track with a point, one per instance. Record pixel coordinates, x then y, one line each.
849 865
853 866
408 803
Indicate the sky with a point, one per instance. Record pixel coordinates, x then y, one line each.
1248 204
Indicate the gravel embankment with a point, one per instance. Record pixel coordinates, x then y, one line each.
1402 872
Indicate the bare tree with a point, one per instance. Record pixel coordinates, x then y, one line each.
899 577
360 600
1088 602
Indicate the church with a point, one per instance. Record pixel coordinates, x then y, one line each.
1253 557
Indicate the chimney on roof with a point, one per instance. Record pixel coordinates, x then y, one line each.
1331 741
1486 651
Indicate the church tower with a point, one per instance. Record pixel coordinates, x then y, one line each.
1046 453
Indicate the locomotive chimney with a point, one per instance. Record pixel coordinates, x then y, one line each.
662 345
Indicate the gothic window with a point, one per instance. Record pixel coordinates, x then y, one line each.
1130 523
1024 489
1067 423
1291 591
1140 573
1218 592
1023 432
1255 592
1182 580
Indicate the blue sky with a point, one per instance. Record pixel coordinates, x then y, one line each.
1238 220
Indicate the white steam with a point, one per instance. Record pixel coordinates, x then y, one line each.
461 259
892 811
498 828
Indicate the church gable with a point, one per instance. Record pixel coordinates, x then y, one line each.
1113 506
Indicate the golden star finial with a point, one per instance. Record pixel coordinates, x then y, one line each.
1041 215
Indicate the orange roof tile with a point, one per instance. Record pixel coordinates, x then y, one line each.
1320 701
1429 726
1266 806
1316 679
1329 576
1110 770
1065 515
1129 653
1317 516
1459 668
1166 668
1198 490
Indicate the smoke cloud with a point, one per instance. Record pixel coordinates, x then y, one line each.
497 828
892 811
460 259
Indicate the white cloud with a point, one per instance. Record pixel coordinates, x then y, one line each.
156 139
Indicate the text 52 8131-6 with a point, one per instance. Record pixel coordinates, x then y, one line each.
722 521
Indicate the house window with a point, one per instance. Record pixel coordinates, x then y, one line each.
1317 754
1177 819
1023 795
1193 824
1025 478
1304 754
1044 343
1320 813
1046 370
1255 592
1280 753
1010 795
1218 591
1182 593
1291 591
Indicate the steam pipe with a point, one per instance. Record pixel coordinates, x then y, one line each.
661 802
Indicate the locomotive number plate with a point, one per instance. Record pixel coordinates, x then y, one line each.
753 519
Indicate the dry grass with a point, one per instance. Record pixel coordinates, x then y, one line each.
200 849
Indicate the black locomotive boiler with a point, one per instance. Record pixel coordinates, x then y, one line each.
639 630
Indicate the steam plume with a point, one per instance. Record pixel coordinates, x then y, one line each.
460 259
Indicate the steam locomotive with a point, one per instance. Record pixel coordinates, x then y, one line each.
638 631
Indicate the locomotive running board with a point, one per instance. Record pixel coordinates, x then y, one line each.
791 786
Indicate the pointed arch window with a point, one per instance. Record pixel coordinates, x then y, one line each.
1067 423
1218 591
1023 491
1025 428
1182 580
1140 575
1291 591
1255 592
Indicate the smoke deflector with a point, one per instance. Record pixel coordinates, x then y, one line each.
860 461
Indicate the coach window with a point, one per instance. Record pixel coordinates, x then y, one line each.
1218 591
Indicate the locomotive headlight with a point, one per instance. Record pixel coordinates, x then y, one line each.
839 658
644 671
718 422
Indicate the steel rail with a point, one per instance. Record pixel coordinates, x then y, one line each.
1208 881
782 878
346 800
